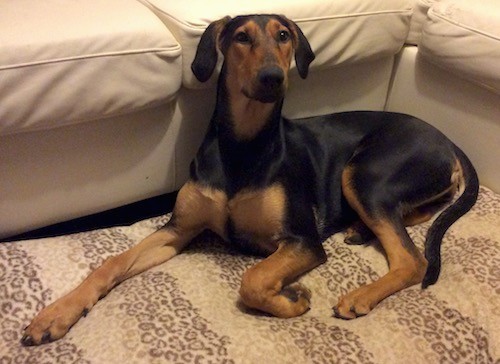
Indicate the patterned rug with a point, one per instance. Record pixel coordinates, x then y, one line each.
187 310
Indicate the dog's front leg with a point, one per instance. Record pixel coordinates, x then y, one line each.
196 208
268 286
55 320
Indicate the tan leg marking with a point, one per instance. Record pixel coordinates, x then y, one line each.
196 208
427 209
267 285
407 265
405 270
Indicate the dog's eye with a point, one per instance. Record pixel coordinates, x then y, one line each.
283 36
242 37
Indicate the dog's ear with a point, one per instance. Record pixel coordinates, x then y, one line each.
205 59
303 52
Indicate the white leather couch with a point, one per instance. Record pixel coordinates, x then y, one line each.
98 106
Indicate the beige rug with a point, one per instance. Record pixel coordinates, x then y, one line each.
187 310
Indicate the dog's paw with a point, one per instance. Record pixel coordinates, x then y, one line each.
53 322
358 235
354 304
296 292
298 301
353 238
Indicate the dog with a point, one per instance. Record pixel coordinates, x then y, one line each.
279 187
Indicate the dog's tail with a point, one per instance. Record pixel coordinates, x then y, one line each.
451 214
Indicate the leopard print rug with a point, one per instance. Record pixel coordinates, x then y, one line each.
188 311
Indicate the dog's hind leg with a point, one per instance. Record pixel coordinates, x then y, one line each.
196 208
407 265
268 286
358 233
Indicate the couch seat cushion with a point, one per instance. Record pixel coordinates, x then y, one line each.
463 36
63 62
340 32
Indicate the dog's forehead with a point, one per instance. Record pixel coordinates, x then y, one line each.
261 21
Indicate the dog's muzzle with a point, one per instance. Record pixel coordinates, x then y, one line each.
270 86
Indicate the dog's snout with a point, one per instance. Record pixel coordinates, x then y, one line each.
270 84
271 77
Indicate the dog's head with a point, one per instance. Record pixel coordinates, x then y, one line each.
257 52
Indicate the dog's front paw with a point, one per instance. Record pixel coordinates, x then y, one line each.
297 301
354 304
291 301
54 321
296 292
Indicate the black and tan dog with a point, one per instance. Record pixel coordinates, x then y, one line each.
279 187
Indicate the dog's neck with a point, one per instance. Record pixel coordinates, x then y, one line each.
249 135
248 117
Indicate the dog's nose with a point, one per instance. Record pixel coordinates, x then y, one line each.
271 77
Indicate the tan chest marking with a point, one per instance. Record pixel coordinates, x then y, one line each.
199 207
259 213
256 214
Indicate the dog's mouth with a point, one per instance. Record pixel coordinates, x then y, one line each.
265 94
269 85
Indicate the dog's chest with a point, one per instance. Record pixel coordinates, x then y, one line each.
256 217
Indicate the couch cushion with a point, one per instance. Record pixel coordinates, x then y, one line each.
340 32
420 9
463 36
63 62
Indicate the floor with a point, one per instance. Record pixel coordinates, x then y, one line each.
125 215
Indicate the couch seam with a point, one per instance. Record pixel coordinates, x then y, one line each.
150 105
354 15
193 26
463 26
176 51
